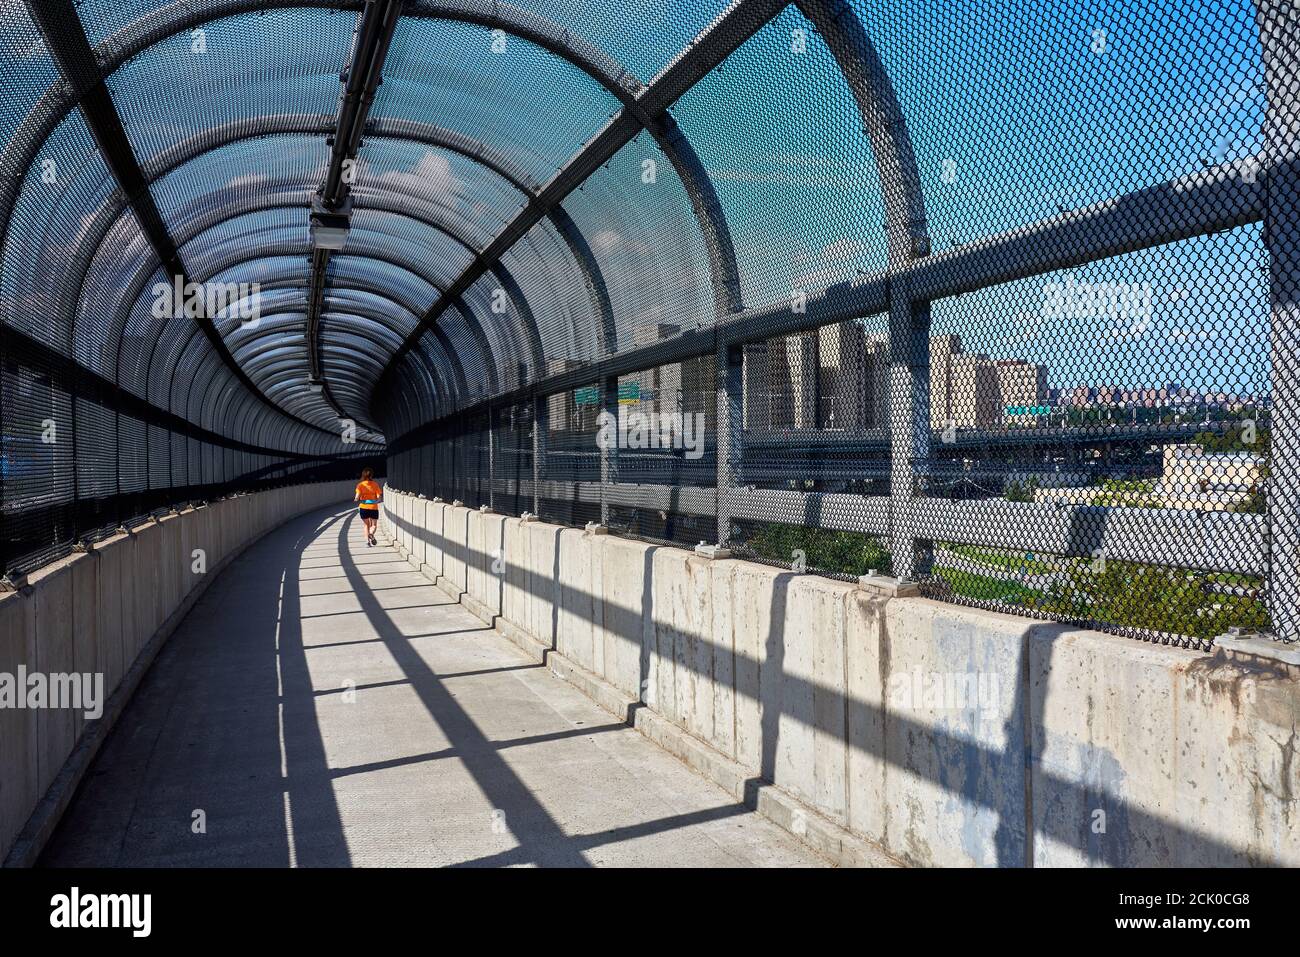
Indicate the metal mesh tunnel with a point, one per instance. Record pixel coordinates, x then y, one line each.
997 298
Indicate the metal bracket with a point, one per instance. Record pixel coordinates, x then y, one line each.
888 586
15 582
1239 641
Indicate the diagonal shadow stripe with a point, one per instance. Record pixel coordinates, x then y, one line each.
540 837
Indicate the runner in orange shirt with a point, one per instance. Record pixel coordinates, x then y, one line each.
369 494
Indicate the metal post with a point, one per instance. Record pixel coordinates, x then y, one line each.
729 444
608 450
909 428
1279 26
541 425
492 458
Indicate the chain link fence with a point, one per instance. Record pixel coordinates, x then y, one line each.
1002 305
999 298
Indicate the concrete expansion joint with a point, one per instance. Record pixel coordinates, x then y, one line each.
595 528
705 550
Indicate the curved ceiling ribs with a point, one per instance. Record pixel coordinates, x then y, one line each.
643 108
289 124
285 200
66 39
405 130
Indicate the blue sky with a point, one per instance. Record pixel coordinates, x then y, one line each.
1016 111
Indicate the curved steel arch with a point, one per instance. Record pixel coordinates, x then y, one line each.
290 199
480 341
382 292
149 267
137 287
527 320
626 88
877 103
81 73
458 376
279 250
601 306
724 35
356 383
530 27
440 138
907 240
258 356
437 137
269 383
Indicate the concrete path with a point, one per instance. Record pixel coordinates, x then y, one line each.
324 705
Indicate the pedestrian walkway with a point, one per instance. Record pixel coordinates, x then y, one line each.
325 705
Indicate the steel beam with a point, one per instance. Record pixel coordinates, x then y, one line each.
481 343
730 434
907 240
360 80
1279 27
593 278
739 22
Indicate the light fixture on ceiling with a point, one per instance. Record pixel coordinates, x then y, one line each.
329 227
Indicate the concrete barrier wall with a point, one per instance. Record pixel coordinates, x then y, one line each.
884 727
107 612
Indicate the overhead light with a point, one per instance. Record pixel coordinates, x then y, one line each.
315 385
329 227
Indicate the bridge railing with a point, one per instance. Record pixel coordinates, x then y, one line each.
1062 384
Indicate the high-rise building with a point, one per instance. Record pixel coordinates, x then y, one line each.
853 371
1021 385
942 350
837 377
974 401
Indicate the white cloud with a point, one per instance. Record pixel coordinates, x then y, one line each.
248 179
431 175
